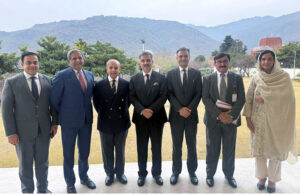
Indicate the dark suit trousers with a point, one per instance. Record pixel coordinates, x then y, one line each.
69 136
36 150
111 142
226 135
179 126
144 131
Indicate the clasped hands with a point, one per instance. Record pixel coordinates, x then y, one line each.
185 112
225 117
147 113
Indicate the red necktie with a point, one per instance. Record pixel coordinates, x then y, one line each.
81 80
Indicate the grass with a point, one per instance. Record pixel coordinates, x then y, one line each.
9 157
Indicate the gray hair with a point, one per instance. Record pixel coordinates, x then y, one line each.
146 53
112 60
72 51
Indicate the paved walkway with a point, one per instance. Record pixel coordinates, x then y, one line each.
244 175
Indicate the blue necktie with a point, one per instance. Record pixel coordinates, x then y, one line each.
34 89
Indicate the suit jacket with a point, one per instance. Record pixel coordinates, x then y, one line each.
210 95
153 98
73 105
180 97
21 113
113 115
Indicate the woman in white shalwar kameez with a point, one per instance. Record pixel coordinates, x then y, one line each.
270 113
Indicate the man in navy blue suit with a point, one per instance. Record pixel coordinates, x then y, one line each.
71 95
110 98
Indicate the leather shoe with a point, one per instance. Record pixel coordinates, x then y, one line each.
174 179
232 182
210 182
89 183
159 180
194 179
71 189
270 190
109 180
122 179
44 191
260 186
141 181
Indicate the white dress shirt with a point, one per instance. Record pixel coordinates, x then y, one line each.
181 73
145 77
77 75
111 81
37 81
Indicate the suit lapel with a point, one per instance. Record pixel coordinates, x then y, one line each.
215 84
229 87
26 87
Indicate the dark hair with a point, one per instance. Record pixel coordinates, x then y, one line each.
265 52
221 55
29 54
183 49
146 53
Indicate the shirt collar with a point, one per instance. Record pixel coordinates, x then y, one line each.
219 73
110 79
28 76
149 73
76 71
180 68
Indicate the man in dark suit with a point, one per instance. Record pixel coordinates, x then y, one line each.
221 124
71 95
184 93
111 102
29 121
148 94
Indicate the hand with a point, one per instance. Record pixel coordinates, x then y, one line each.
259 99
13 139
250 124
225 117
53 130
147 113
185 112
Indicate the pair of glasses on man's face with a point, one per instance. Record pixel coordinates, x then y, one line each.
34 62
222 62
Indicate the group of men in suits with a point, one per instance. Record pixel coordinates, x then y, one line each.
33 105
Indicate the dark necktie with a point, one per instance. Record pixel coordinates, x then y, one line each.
34 89
81 81
223 88
113 86
147 80
184 80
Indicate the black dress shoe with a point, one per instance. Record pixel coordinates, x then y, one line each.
44 191
89 183
210 182
194 179
270 190
122 179
109 180
174 179
260 186
232 182
71 189
141 181
159 180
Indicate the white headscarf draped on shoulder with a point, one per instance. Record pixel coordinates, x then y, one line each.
280 111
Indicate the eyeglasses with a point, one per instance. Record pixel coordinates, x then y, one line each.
29 62
222 62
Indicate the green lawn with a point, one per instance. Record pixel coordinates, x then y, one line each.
9 158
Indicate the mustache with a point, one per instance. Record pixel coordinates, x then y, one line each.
222 66
146 65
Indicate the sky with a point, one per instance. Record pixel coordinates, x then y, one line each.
22 14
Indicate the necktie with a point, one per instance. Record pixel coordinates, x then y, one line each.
34 89
113 86
223 88
184 80
81 80
147 80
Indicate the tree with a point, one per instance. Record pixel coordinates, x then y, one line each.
8 62
244 64
166 61
53 55
96 56
286 55
199 58
230 45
